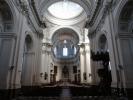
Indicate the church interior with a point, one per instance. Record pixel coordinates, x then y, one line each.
66 49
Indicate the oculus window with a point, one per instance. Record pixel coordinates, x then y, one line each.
65 10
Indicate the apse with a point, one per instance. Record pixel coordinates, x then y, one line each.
65 44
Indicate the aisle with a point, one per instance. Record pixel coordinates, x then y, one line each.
65 94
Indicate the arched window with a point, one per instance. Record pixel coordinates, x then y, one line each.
75 50
103 45
28 43
55 50
65 51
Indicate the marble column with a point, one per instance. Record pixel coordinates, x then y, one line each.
42 69
88 65
48 66
82 64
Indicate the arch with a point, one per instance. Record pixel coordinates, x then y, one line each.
29 39
65 39
126 18
12 13
121 5
7 41
72 29
64 22
65 33
102 42
28 42
101 34
126 42
28 58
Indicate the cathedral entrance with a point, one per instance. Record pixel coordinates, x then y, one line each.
65 74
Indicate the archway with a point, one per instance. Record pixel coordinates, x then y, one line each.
125 31
6 17
6 42
65 49
27 68
65 43
103 45
103 60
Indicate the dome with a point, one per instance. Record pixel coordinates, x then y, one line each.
65 10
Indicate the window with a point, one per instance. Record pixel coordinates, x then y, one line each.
75 50
65 51
55 50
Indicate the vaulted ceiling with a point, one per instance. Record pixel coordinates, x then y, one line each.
65 13
43 5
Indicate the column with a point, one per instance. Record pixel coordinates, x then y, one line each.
82 64
42 69
88 65
48 66
44 64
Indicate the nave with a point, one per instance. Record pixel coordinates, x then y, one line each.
66 49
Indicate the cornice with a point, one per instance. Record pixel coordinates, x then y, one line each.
96 12
62 61
26 7
125 35
7 35
36 30
115 3
34 10
49 45
65 22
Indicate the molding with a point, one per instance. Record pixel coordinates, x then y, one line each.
86 4
34 10
125 35
46 44
25 7
7 35
115 3
48 18
22 6
96 12
95 28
